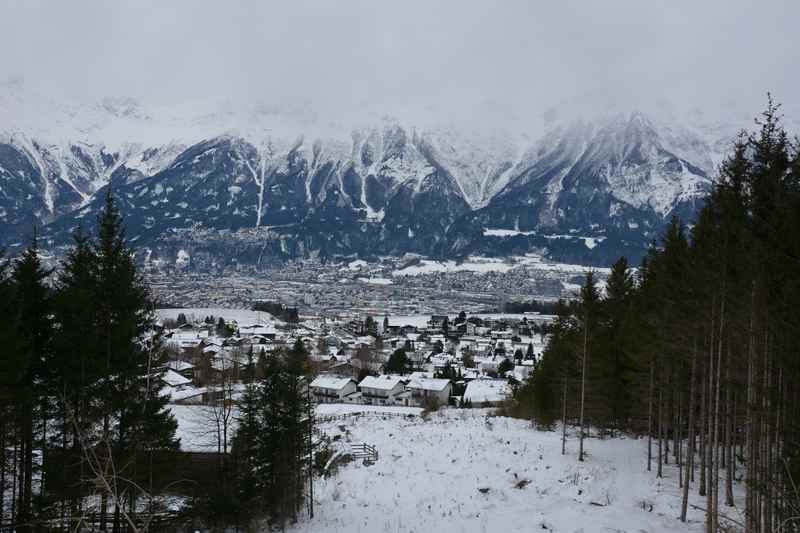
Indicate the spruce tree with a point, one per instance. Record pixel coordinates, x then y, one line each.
505 366
614 366
589 305
134 415
398 362
78 360
273 443
34 330
9 383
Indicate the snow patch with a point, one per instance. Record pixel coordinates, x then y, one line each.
505 232
376 281
182 260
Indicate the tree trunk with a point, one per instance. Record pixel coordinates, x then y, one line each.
564 418
728 438
713 509
3 451
650 418
750 524
678 443
710 445
24 511
690 442
42 477
583 383
660 431
703 432
106 456
15 482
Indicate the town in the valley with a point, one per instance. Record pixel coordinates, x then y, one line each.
410 361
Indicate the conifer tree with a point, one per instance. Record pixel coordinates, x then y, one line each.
398 362
34 329
134 415
529 354
273 441
589 305
7 382
614 360
77 357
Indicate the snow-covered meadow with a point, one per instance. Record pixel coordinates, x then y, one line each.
461 470
480 264
242 316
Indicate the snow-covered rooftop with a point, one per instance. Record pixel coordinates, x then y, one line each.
331 382
173 379
381 382
180 366
429 384
487 390
184 394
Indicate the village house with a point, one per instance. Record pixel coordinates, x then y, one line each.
437 322
185 340
381 390
406 330
429 392
180 389
345 368
190 396
418 358
410 341
433 339
212 349
173 380
487 392
356 327
184 368
332 389
440 362
266 331
501 334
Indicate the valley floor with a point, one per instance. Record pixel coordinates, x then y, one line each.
461 470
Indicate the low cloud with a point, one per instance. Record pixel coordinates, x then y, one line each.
495 63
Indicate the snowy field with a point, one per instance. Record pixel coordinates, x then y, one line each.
197 426
473 264
241 316
492 264
460 471
376 281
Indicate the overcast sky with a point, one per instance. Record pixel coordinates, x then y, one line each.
502 59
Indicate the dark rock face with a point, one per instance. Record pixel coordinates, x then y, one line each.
22 200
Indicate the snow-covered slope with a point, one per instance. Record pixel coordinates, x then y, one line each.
634 160
463 471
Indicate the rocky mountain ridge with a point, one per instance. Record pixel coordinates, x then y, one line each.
584 189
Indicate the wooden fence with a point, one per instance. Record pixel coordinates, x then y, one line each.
364 451
357 414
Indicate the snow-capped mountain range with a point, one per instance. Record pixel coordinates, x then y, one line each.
254 183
